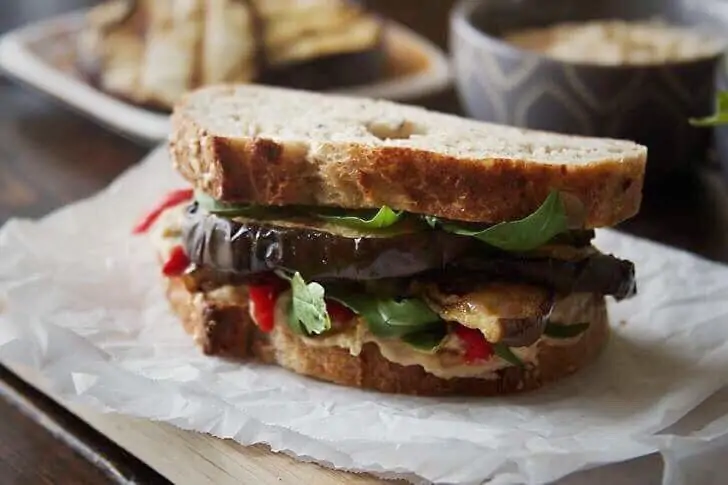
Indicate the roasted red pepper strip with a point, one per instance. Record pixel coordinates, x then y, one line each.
263 298
172 199
177 262
476 347
338 312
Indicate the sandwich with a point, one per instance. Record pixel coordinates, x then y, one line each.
151 52
386 247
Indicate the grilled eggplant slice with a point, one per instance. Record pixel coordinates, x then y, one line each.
598 273
512 314
315 248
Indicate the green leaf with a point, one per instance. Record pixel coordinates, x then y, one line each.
308 308
398 318
559 330
295 324
230 210
427 340
526 234
385 217
505 353
390 318
432 221
720 117
213 206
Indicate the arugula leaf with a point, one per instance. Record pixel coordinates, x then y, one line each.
432 221
535 230
226 209
308 308
390 318
559 330
410 319
214 206
398 318
427 340
720 117
505 353
385 217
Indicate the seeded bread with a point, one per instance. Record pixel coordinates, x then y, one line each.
224 328
276 146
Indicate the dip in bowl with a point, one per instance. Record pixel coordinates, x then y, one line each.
620 69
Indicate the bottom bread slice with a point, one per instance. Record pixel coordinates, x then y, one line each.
225 329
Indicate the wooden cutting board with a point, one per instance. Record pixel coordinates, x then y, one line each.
185 457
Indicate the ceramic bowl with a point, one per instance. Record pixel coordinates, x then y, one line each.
650 104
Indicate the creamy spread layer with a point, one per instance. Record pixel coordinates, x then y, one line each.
447 360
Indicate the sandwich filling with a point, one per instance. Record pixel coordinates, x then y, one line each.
458 299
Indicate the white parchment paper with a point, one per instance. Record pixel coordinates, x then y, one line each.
81 301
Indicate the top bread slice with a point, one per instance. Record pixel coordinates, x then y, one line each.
274 146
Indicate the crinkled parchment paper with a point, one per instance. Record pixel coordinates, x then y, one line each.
82 303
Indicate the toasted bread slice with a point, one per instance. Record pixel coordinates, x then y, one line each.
223 327
275 146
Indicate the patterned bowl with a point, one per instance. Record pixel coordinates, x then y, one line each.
652 104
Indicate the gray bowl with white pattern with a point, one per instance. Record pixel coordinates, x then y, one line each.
650 104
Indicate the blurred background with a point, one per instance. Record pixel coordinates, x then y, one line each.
639 85
119 65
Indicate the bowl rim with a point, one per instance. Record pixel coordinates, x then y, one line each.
461 24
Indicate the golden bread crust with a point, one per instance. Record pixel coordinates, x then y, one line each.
263 170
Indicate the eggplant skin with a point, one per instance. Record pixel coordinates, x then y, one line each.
247 247
600 274
237 250
522 332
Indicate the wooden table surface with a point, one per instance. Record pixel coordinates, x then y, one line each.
50 156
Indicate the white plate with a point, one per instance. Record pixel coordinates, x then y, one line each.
43 55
